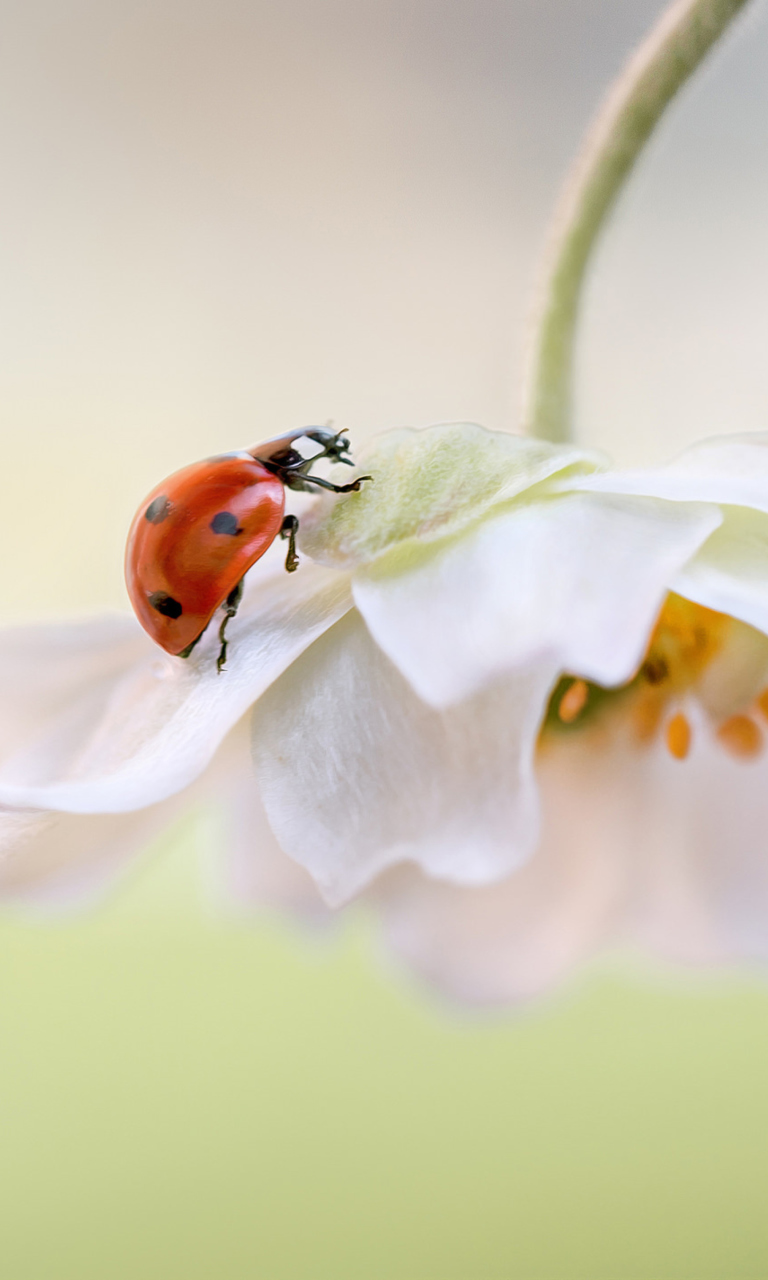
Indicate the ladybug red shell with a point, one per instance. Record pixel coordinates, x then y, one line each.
193 539
197 534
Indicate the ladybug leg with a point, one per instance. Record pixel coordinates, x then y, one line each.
336 448
289 466
231 605
289 530
186 652
352 487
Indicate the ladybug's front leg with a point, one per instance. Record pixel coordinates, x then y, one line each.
352 487
231 605
336 448
289 530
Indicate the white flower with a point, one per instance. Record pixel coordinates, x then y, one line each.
472 707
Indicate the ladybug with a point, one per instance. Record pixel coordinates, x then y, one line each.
197 534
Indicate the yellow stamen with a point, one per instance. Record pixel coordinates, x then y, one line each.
679 736
573 701
741 736
646 715
686 639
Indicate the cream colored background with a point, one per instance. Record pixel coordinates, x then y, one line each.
223 220
220 220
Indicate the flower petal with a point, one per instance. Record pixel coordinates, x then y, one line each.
577 580
58 860
247 870
636 848
730 470
730 572
357 773
45 669
146 726
700 862
507 943
429 484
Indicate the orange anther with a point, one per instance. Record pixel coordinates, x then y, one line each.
762 702
573 701
679 736
741 736
646 717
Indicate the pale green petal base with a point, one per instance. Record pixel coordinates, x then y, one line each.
429 484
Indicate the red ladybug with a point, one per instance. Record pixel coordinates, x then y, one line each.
198 533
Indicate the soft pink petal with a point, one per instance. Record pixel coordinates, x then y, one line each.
636 849
55 861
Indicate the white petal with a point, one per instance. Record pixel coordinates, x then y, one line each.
357 773
735 674
577 580
55 860
59 860
725 469
730 572
247 870
143 729
45 669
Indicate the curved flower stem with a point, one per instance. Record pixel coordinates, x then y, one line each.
628 115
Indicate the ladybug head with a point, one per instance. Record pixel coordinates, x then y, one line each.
335 444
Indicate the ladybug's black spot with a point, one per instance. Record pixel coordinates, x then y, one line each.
158 509
225 522
165 604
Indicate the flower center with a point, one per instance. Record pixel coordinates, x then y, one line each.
690 657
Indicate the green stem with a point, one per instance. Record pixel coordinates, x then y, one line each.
634 104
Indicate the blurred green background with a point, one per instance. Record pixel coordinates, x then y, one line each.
221 220
184 1097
